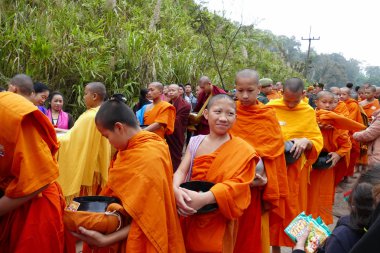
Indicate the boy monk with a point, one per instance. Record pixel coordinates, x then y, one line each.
298 124
159 116
229 163
177 139
370 104
84 155
339 106
140 175
258 125
336 142
21 84
355 114
31 205
207 90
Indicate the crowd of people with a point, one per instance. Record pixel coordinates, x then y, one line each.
270 151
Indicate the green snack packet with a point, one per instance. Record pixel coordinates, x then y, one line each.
297 226
317 236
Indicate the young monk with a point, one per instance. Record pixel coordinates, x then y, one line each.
141 177
177 139
339 106
355 114
298 123
31 204
370 104
258 125
225 160
337 143
84 155
21 84
159 116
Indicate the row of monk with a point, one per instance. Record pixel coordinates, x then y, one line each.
254 206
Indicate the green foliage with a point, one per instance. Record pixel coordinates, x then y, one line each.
126 45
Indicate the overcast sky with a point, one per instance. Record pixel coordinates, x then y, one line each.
347 27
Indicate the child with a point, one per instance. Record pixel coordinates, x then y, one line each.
227 161
141 177
370 104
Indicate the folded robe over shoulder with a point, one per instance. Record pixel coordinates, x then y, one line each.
342 109
232 168
84 156
28 164
163 113
297 122
141 177
322 182
259 126
370 108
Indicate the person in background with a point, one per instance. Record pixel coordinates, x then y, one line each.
190 96
143 100
353 92
265 87
40 95
2 89
164 95
197 91
62 121
317 88
181 93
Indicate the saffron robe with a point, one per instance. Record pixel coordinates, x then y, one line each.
258 125
370 107
274 95
342 109
177 139
141 176
163 113
28 164
203 127
232 168
354 114
83 157
297 122
322 182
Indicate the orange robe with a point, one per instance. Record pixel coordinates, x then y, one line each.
370 108
322 182
141 177
28 164
297 122
342 109
163 113
232 168
354 114
274 95
259 126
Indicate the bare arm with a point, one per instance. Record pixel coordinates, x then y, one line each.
153 127
8 204
96 239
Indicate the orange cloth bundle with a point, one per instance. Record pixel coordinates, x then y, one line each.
106 222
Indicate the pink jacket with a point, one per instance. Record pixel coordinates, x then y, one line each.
371 136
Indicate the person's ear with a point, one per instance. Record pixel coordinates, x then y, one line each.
118 126
205 114
94 96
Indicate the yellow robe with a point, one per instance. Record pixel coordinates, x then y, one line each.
297 122
83 158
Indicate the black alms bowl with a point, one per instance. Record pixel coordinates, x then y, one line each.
289 156
321 164
97 204
201 186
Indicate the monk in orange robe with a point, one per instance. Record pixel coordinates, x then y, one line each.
229 163
159 116
336 142
258 125
141 177
31 202
177 139
207 90
339 106
356 115
298 124
370 104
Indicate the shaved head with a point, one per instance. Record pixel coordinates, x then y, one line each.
335 90
294 85
173 91
204 84
372 88
324 94
158 86
248 74
345 90
204 79
98 88
23 85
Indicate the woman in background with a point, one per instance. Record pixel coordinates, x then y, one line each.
40 95
61 120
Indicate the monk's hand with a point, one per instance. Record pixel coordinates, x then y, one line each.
182 198
260 180
91 237
199 199
1 150
301 239
300 145
325 126
334 158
